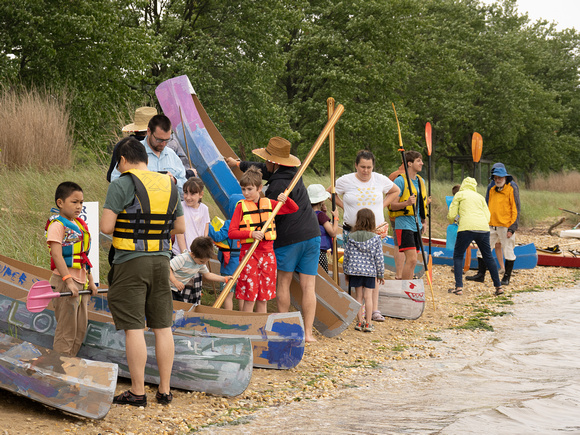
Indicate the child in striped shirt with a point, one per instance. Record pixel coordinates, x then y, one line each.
186 265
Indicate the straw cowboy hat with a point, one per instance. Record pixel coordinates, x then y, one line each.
278 151
142 117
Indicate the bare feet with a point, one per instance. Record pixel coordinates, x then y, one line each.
309 338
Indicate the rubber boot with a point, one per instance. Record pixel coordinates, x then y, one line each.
509 266
480 275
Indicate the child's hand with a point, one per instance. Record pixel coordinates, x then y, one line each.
227 278
429 200
381 280
72 287
335 214
94 290
412 200
257 235
178 285
282 198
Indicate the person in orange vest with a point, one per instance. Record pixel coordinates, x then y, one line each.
503 199
257 282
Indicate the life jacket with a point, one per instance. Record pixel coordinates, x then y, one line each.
255 216
325 239
421 204
146 224
75 244
227 246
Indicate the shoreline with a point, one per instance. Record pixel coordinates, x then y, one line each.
329 367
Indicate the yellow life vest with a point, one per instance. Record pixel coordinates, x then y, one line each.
76 242
147 223
255 216
422 203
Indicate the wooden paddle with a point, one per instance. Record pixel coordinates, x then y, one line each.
402 151
467 259
41 293
330 109
429 149
321 138
476 148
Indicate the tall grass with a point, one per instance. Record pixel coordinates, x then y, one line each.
558 182
36 129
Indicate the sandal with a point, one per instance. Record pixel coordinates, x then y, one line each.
458 291
377 317
498 291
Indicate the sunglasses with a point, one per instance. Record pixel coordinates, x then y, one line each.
160 140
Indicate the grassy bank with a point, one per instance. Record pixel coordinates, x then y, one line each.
28 196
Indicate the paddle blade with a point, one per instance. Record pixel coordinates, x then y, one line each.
430 268
428 137
476 147
39 296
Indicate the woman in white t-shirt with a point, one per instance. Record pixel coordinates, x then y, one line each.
365 189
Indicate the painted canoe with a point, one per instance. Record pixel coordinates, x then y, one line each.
220 366
335 309
526 256
74 385
277 338
561 259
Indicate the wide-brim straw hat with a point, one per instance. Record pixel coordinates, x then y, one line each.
141 120
317 193
278 151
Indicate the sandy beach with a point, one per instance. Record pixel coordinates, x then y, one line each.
329 366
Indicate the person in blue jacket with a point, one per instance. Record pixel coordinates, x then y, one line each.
228 250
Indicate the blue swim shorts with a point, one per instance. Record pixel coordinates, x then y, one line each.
301 257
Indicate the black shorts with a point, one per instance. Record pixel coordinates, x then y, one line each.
362 281
408 240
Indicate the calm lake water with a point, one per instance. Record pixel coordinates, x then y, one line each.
524 378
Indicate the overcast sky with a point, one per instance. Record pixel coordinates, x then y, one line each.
565 12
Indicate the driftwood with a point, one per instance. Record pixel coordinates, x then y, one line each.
562 219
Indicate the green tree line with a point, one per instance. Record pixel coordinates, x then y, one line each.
265 68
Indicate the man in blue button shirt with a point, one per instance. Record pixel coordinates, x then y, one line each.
161 158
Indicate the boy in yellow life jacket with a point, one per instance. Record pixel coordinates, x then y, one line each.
257 282
402 211
69 242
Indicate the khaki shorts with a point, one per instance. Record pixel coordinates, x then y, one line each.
139 289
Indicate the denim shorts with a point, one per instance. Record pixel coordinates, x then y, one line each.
301 257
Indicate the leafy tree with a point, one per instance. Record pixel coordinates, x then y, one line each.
95 49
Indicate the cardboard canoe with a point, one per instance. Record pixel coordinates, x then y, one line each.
207 148
75 385
214 365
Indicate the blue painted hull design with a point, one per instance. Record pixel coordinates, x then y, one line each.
277 338
175 94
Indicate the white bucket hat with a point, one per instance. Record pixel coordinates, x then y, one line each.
317 193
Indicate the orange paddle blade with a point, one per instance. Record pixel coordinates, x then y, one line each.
430 268
476 147
428 137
